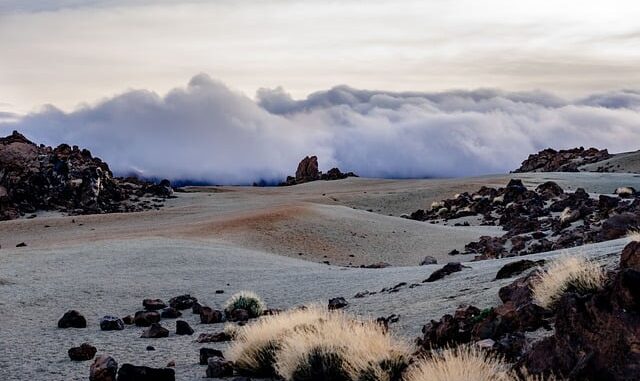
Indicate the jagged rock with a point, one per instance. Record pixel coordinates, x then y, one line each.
210 316
111 323
84 352
630 258
337 303
195 309
182 302
218 367
617 226
155 331
238 314
207 353
520 291
72 319
448 269
517 267
153 304
146 318
450 330
104 368
130 372
183 328
307 170
128 320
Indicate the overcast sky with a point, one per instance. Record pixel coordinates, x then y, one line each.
72 51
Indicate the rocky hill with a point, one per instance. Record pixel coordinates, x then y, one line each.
550 160
67 179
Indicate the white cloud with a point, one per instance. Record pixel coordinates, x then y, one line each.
208 132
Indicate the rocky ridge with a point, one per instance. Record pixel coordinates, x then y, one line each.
308 171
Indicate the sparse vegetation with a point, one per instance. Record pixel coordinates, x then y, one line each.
564 273
634 235
246 300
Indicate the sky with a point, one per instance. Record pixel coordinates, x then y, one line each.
311 76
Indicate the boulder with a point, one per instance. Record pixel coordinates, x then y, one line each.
337 303
111 323
182 302
84 352
155 331
518 267
618 225
170 313
207 353
448 269
183 328
218 367
103 368
218 337
130 372
428 260
210 316
307 170
72 319
146 318
153 304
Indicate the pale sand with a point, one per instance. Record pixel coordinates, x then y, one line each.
202 241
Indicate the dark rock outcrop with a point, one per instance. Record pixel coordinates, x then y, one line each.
183 328
517 268
337 303
146 318
182 302
207 353
130 372
111 323
155 331
65 179
550 160
308 171
447 269
218 367
103 368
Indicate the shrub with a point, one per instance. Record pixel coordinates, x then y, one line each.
245 300
565 273
634 235
341 348
256 344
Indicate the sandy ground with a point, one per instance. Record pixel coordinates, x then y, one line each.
227 238
627 162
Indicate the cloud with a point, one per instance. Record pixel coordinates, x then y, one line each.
207 132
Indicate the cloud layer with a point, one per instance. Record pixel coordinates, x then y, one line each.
207 132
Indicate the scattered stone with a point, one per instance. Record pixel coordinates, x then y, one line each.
239 314
195 309
21 244
111 323
337 303
428 260
155 331
448 269
72 319
182 302
219 291
146 318
84 352
153 304
103 368
210 316
377 265
207 353
550 160
151 348
183 328
130 372
218 367
516 268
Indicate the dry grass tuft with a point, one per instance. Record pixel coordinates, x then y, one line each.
466 363
341 348
246 300
565 215
563 273
634 235
256 344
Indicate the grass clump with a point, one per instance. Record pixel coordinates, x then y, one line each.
245 300
342 348
564 273
634 235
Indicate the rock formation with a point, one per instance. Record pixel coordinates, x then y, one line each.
308 171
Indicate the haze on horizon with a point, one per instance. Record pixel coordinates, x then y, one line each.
456 88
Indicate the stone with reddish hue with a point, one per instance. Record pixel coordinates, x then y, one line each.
72 319
103 368
84 352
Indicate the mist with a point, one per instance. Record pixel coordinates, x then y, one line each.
207 132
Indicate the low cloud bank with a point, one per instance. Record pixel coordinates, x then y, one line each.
206 132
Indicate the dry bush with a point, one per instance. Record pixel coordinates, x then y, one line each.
341 348
634 235
246 300
564 273
256 344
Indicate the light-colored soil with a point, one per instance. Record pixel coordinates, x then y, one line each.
627 162
236 238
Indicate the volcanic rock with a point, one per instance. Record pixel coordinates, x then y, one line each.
183 328
517 267
111 323
130 372
207 353
210 316
182 302
337 303
155 331
153 304
218 367
448 269
104 368
146 318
